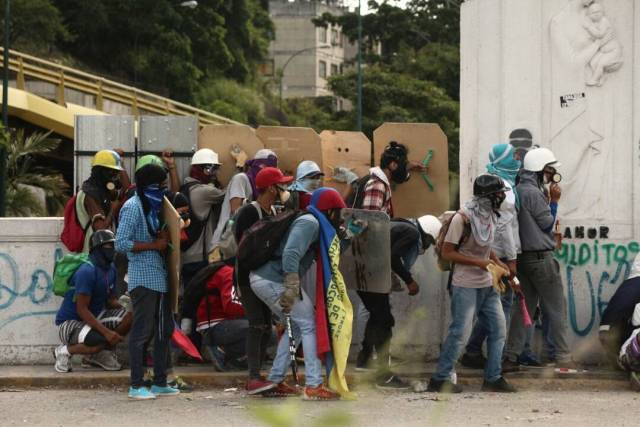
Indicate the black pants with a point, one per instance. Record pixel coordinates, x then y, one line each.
377 333
231 335
259 333
151 318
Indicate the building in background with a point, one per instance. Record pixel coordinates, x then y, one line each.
303 56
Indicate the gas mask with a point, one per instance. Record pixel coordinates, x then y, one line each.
283 194
400 174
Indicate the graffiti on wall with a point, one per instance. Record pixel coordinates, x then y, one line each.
36 291
592 268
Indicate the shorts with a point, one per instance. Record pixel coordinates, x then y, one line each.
78 332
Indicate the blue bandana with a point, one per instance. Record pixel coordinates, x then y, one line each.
154 195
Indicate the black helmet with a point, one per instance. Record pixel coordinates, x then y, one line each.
101 238
487 184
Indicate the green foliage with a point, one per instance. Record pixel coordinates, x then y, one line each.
289 415
35 25
23 176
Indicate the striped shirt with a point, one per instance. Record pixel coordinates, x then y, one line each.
146 268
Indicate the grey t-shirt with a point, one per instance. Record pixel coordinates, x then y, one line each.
239 187
203 198
468 276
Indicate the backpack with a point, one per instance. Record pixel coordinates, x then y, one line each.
228 244
356 198
197 226
446 219
64 269
262 239
74 233
196 289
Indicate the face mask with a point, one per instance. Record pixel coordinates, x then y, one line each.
497 200
210 170
105 255
556 178
283 195
311 184
400 175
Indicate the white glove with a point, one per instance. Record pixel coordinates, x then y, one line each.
125 302
186 325
342 174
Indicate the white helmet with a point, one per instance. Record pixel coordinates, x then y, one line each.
264 154
538 158
430 225
205 156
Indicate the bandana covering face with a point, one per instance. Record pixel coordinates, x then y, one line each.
154 195
255 166
502 164
480 212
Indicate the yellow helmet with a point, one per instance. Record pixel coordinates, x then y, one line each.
107 159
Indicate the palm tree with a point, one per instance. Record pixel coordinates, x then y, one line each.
25 179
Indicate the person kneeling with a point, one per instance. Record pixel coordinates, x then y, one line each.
91 321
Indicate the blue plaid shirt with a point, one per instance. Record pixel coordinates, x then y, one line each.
146 268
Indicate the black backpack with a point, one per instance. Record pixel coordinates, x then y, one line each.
197 226
259 243
196 289
356 198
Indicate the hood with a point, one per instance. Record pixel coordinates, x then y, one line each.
528 177
379 173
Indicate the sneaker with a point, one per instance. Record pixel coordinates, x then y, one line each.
443 386
363 363
319 393
529 361
510 366
63 359
473 361
259 385
498 386
180 384
140 393
105 359
282 390
164 391
392 383
216 355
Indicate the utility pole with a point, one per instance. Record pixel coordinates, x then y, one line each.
359 84
5 110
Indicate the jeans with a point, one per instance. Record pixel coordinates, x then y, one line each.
303 323
151 318
539 275
481 328
378 332
465 303
231 335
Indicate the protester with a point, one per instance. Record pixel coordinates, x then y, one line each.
506 246
90 320
619 319
472 285
271 186
242 188
203 198
409 238
522 141
629 353
376 196
308 179
538 271
277 284
141 237
97 200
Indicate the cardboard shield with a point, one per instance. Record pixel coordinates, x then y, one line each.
172 220
292 145
366 263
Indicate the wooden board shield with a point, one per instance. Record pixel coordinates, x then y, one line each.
220 138
292 145
414 198
366 263
172 220
347 149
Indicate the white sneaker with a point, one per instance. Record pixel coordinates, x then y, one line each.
63 359
105 359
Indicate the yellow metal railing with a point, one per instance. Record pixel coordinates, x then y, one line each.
31 68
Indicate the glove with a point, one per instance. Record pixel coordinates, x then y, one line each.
342 174
497 274
125 302
186 325
354 228
239 155
291 291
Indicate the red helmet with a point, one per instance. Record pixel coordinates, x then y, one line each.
326 198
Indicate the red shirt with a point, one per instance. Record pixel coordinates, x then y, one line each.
222 301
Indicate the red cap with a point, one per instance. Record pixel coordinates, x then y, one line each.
270 176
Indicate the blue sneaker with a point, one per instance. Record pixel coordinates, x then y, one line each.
217 357
140 393
164 391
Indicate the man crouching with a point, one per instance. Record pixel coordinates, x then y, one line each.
91 321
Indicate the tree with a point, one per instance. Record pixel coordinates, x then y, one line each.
25 180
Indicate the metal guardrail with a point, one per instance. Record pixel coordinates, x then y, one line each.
31 68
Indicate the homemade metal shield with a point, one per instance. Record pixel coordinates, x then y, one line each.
366 263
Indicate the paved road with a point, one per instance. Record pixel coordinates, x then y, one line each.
106 407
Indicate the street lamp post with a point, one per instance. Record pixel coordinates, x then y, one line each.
359 84
324 46
5 109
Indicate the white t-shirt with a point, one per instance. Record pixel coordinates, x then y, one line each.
238 187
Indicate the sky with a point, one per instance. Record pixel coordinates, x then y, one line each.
352 4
